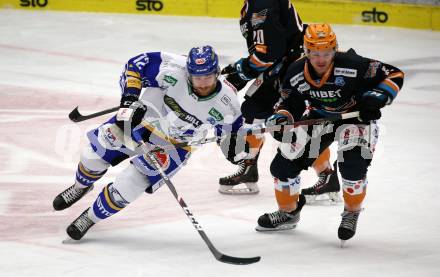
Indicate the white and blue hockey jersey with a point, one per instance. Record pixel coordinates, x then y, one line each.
174 113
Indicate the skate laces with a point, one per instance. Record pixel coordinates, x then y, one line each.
241 169
278 217
71 193
83 222
349 220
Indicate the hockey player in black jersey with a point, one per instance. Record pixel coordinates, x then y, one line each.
332 83
273 31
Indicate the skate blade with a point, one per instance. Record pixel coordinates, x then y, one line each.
279 228
342 245
251 188
325 199
69 240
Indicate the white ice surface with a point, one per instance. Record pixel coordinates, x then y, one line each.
51 62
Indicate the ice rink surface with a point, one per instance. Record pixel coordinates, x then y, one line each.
51 62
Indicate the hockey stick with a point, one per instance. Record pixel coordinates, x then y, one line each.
275 128
217 254
307 122
76 116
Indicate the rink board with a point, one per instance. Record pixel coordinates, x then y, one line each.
340 12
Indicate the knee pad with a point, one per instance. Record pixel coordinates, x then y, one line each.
130 183
92 161
283 168
353 166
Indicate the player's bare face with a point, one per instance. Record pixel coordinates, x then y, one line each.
321 60
204 85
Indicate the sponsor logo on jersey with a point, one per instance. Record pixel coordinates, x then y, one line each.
296 79
326 95
303 87
216 114
211 120
181 113
348 72
225 100
170 80
339 81
230 85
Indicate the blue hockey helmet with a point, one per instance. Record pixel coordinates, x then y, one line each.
202 61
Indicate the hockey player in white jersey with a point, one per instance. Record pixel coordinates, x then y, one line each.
166 99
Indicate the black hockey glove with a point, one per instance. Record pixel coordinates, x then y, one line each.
370 105
239 73
281 117
234 148
130 115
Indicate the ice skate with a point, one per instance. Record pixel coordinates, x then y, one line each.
280 220
326 189
79 227
244 181
347 228
69 197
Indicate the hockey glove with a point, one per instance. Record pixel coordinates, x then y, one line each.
130 116
281 117
370 105
239 73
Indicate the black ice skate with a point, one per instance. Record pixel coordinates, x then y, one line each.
326 189
347 228
69 197
281 220
247 174
79 227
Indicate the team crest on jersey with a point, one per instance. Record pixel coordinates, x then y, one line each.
110 137
348 72
216 114
372 69
258 18
163 158
244 29
339 81
170 80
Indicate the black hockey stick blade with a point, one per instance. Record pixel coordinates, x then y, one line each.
76 116
236 260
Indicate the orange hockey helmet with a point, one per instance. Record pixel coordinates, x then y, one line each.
319 37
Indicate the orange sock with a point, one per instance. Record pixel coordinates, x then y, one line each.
354 193
287 193
322 162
